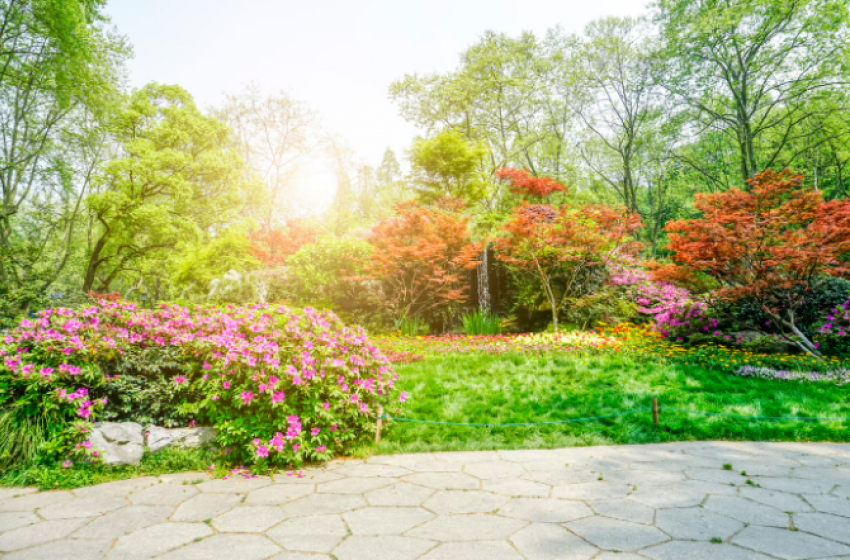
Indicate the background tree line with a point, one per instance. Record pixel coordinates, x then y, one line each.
143 193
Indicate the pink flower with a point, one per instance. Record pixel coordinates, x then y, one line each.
315 431
262 451
179 380
363 407
403 396
226 384
67 464
354 398
327 405
278 396
247 397
321 449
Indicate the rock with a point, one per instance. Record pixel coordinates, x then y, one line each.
160 438
194 437
123 443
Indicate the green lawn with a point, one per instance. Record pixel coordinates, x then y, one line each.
522 388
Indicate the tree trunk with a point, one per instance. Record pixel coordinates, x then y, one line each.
94 264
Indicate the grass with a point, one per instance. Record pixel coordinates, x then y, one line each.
525 388
166 461
479 323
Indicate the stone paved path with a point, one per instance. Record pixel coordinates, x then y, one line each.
686 501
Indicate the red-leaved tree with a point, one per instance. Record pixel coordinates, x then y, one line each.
273 246
772 244
563 244
523 183
420 255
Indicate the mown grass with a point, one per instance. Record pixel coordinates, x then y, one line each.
524 388
166 461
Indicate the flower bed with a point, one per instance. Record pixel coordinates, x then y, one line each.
281 386
642 339
410 348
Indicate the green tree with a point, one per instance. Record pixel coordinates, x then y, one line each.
752 68
448 165
276 135
507 92
58 76
176 178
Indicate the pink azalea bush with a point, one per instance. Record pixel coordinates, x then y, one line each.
281 386
674 310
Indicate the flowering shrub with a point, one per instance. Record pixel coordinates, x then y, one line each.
834 331
281 386
675 311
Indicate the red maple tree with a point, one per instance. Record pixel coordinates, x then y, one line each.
420 256
273 246
563 244
523 183
772 244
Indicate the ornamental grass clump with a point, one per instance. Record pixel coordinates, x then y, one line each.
282 387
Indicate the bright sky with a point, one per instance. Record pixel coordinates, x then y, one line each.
338 56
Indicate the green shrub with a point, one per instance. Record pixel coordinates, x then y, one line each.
481 323
829 292
607 306
325 274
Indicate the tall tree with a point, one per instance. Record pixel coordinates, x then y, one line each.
58 75
614 94
276 135
176 178
505 93
752 68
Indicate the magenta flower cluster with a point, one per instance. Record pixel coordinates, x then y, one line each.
281 385
837 321
675 311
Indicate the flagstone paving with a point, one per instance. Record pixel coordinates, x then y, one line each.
680 501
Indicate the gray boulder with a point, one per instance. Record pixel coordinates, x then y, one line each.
122 443
186 438
158 438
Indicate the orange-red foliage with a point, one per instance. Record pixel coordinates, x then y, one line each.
523 183
767 240
540 234
563 242
273 246
111 296
420 255
677 275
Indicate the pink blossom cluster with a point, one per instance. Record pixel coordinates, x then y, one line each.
263 361
673 309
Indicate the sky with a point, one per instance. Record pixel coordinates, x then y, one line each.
337 56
